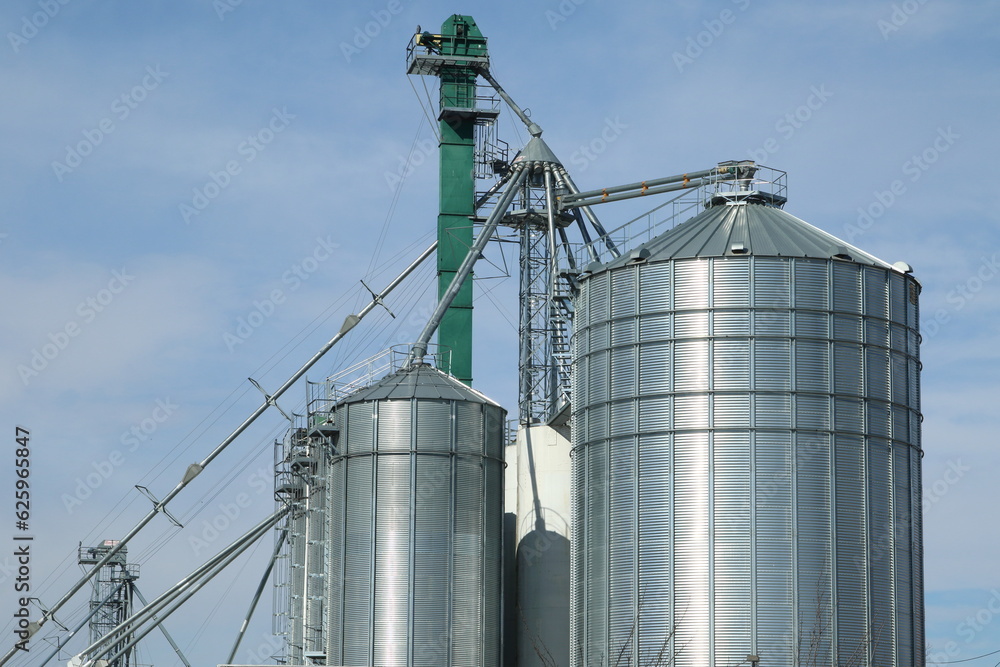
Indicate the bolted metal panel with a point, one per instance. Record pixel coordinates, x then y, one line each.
766 499
416 530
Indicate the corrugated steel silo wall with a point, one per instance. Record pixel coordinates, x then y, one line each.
746 464
416 531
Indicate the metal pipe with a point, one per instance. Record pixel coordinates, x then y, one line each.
256 596
641 185
588 243
532 126
694 183
195 469
493 190
602 233
419 349
550 209
163 629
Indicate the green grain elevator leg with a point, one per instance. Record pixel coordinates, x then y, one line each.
461 38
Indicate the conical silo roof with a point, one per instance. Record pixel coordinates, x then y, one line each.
418 381
747 228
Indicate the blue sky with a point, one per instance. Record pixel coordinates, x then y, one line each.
291 122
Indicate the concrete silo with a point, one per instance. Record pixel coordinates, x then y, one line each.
416 525
746 462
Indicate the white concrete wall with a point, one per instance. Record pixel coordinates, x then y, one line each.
539 481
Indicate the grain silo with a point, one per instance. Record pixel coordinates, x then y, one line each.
416 514
746 462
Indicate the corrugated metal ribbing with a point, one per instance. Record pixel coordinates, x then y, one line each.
467 565
596 556
880 552
335 570
419 503
431 591
656 622
771 513
917 554
433 432
731 551
814 549
851 541
811 285
902 553
621 554
691 284
392 546
692 553
357 558
493 490
362 426
746 464
730 283
394 426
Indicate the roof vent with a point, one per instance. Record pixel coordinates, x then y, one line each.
738 249
903 267
638 256
840 252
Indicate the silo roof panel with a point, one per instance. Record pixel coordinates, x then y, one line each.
419 381
760 229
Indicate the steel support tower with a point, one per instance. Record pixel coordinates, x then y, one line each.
111 599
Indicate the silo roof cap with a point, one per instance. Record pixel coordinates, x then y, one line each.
749 229
419 381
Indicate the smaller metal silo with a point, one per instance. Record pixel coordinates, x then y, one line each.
416 524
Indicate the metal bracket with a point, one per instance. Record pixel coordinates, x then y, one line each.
378 299
47 614
158 506
270 401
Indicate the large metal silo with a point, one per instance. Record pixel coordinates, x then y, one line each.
416 525
746 462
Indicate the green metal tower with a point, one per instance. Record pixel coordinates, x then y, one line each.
456 56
